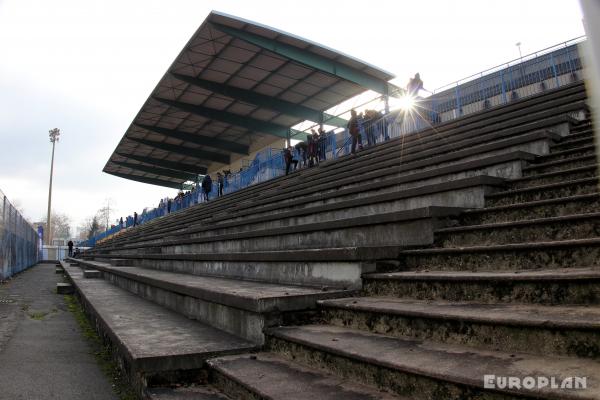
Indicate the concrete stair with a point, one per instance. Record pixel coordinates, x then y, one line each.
153 343
541 286
409 271
572 330
270 376
425 369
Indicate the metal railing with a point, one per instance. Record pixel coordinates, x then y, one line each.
19 242
526 76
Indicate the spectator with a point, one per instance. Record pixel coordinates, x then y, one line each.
321 144
220 183
353 129
312 148
70 245
76 253
288 158
414 85
302 150
135 218
316 141
121 222
206 186
370 121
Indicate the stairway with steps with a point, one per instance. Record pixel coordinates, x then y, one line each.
407 272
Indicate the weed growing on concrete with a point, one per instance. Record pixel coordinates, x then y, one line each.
38 315
101 352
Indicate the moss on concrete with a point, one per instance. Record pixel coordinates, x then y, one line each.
102 352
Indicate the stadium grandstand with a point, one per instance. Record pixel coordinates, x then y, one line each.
459 250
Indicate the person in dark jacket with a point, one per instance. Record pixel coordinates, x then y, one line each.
288 158
353 129
206 186
135 218
220 183
70 245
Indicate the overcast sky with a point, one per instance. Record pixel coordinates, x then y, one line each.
87 67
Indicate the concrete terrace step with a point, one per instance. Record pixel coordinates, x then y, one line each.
585 203
553 254
495 165
484 122
359 194
240 307
552 166
575 134
422 158
467 192
268 376
530 328
427 370
151 340
564 100
330 178
572 143
542 286
392 157
377 229
337 268
581 151
192 392
543 192
577 226
570 174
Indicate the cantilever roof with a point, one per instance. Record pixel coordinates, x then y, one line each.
236 87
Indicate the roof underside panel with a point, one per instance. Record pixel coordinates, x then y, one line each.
233 85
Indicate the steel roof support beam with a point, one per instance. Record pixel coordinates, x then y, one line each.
309 59
158 171
143 179
262 100
200 154
228 118
177 166
198 139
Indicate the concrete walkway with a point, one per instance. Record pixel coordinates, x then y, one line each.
43 354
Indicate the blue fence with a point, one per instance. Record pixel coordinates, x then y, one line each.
18 240
532 74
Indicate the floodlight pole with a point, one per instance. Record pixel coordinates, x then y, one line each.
54 136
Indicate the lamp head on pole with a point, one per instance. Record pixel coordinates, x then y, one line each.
54 135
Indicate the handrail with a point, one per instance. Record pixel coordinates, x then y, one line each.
520 60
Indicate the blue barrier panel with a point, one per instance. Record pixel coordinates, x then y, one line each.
19 242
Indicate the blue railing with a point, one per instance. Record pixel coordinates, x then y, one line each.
535 73
19 242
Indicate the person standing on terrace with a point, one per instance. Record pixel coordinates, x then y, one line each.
220 183
288 158
414 85
353 129
206 186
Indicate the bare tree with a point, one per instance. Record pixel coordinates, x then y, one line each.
61 226
94 228
104 214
